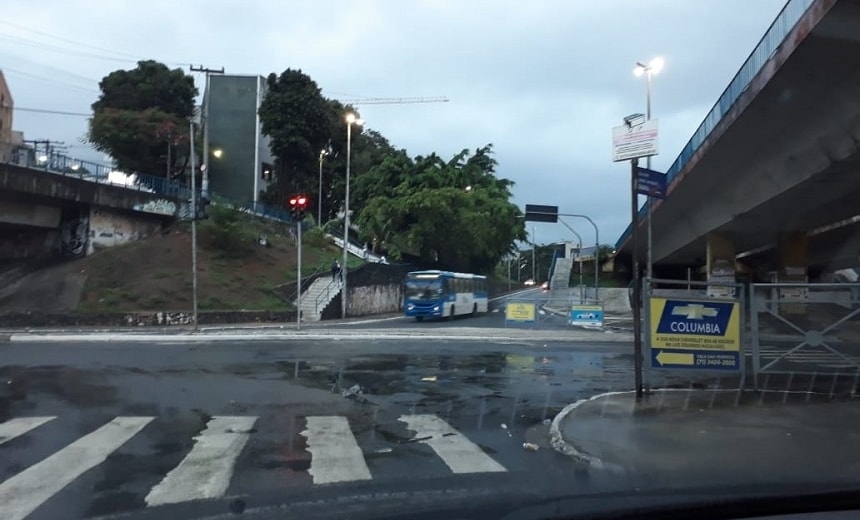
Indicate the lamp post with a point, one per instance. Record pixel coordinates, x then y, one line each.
351 119
323 153
652 68
534 247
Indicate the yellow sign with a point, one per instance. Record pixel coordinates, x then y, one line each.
674 358
694 325
517 311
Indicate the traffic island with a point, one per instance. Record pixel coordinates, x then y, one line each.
692 437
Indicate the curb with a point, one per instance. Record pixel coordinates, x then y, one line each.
556 440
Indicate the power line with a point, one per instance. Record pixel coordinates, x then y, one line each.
51 81
56 112
66 40
119 55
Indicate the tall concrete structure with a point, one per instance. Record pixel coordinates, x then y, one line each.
240 162
12 147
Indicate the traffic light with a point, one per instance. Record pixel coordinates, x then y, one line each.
303 205
298 206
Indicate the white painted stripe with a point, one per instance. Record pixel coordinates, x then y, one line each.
17 427
458 452
205 472
335 455
23 493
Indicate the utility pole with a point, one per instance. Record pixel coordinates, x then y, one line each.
204 189
193 230
49 149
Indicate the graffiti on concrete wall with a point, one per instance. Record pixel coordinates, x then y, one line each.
158 206
74 236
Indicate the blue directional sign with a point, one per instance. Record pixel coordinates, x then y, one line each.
651 183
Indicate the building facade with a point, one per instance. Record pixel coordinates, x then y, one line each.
240 161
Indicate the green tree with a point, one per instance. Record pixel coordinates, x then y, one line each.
140 114
455 214
297 119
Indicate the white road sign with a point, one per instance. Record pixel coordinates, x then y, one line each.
633 142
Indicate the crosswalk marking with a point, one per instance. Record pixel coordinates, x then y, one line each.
335 455
205 472
24 492
458 452
17 427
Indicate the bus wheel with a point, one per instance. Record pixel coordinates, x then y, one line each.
419 318
474 310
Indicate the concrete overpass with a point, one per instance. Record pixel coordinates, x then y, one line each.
770 182
43 213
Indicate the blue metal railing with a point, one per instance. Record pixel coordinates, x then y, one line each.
60 164
791 13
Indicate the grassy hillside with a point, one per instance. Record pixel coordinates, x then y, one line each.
234 270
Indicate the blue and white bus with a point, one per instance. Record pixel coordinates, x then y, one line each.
443 294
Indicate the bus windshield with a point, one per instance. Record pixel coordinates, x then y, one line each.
423 289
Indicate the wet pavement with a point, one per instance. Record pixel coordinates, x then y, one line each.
713 436
491 398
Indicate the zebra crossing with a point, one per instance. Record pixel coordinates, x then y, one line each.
206 470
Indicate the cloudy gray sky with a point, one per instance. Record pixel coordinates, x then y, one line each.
544 81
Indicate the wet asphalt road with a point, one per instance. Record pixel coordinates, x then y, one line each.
495 395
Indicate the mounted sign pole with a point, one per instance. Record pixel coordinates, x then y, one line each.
635 139
298 206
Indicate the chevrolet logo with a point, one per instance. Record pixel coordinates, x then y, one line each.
695 311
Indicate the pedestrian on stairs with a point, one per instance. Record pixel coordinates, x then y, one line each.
335 270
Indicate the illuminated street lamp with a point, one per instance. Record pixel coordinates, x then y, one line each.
651 69
351 119
217 153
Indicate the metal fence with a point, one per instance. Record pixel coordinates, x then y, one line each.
805 328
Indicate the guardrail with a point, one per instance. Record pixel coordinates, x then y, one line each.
59 164
325 296
773 38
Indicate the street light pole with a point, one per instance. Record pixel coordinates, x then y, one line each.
319 202
534 247
653 67
350 120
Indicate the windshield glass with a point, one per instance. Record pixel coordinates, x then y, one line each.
460 255
423 289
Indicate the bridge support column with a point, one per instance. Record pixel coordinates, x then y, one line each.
720 264
793 257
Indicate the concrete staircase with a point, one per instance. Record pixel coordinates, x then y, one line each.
561 274
317 297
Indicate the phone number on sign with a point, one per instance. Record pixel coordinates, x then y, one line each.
716 362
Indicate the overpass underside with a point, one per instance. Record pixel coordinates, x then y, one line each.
782 166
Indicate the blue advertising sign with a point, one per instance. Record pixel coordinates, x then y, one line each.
587 315
700 334
651 183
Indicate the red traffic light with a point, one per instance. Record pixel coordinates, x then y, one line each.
302 200
293 201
